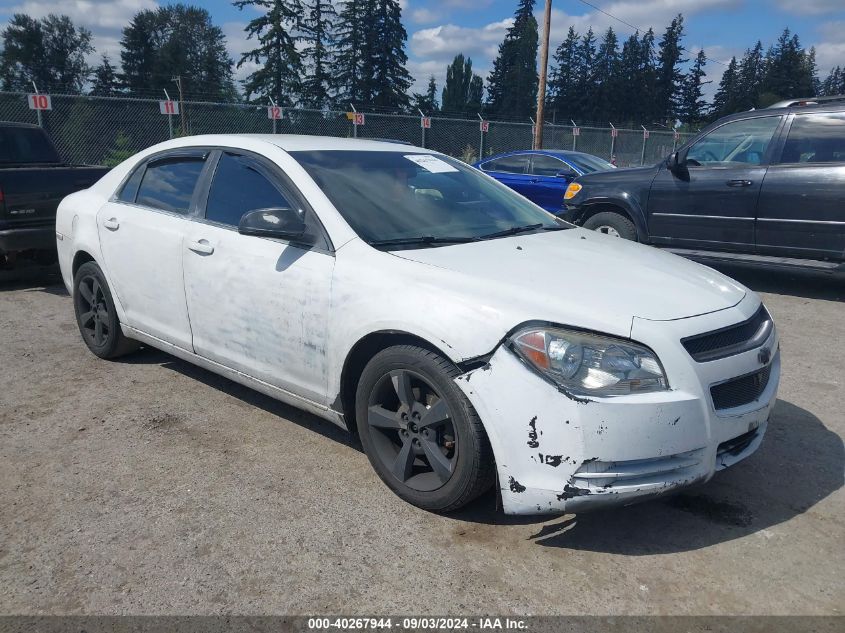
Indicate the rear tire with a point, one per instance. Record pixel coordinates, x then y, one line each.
612 223
419 431
96 315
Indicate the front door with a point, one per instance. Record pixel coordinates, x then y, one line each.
801 211
258 305
552 176
141 233
511 171
712 202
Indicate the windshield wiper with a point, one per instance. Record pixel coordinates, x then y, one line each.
517 229
421 239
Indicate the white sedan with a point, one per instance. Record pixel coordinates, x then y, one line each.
467 336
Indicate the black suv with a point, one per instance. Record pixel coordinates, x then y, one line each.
765 186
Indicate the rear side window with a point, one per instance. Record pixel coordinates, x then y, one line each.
130 187
816 138
509 164
239 187
26 145
169 184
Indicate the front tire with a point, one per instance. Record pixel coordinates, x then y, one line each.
613 224
419 431
96 315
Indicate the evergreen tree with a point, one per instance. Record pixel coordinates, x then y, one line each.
387 80
105 79
790 71
280 74
349 53
750 74
512 84
426 102
669 78
726 98
462 91
50 51
692 105
318 28
834 84
176 40
585 76
605 73
562 78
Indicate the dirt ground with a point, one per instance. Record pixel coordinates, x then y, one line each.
148 486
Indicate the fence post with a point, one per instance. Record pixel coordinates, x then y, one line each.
645 139
574 137
38 111
612 141
169 117
480 136
354 122
422 128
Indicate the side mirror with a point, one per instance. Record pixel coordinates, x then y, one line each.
285 224
676 162
566 173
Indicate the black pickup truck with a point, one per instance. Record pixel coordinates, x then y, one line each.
33 180
764 187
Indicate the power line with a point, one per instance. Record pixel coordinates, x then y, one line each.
633 26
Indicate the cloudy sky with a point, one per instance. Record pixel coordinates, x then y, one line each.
439 29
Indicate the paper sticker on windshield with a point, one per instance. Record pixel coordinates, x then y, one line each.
430 163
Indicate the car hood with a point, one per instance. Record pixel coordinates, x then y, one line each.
581 278
623 174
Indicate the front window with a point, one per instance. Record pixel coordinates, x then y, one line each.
421 198
734 144
542 165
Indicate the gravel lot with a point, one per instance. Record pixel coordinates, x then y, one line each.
148 486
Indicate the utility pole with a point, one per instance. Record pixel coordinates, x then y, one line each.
178 80
541 88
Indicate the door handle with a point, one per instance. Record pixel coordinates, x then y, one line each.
111 224
201 246
739 183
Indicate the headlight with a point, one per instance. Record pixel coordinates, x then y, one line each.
571 190
588 364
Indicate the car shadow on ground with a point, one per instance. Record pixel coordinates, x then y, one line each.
151 356
799 463
798 283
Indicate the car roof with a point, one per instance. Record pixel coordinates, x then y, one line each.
830 106
558 153
300 142
16 124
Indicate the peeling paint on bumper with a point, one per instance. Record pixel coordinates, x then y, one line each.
555 454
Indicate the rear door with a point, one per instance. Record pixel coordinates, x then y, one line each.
141 233
713 202
258 305
801 212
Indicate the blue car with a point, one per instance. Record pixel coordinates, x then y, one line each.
541 175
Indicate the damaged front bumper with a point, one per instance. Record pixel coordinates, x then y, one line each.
558 453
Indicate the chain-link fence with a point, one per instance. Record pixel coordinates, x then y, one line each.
106 130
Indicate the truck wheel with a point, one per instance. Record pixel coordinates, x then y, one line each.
96 315
420 433
612 223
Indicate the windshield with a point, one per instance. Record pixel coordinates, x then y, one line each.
26 145
414 198
588 164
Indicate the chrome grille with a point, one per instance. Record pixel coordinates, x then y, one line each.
730 340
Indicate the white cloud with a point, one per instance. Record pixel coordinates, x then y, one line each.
93 14
424 16
828 55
